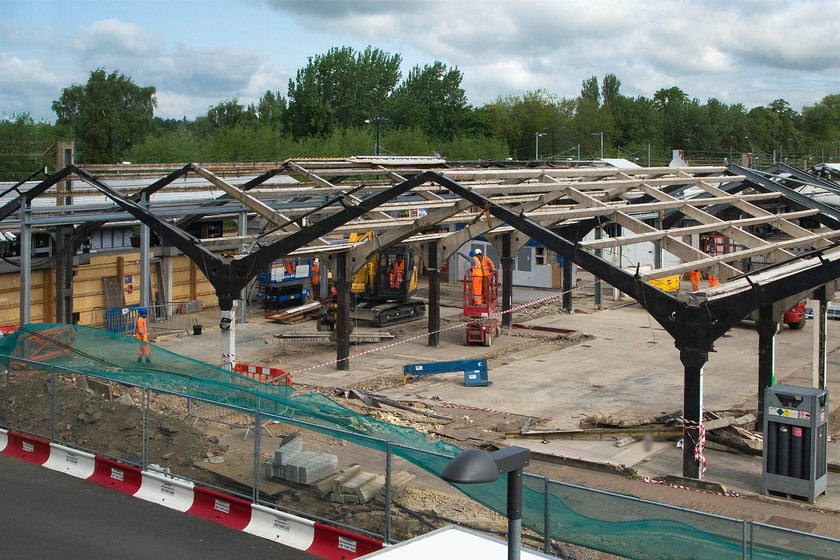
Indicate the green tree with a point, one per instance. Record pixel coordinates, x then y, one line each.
340 89
231 114
107 115
244 143
518 119
271 110
21 134
474 147
821 121
609 88
432 99
167 147
638 124
589 90
672 103
589 123
728 124
343 142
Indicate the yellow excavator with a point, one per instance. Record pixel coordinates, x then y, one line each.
382 290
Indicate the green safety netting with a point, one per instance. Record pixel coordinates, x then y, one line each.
602 521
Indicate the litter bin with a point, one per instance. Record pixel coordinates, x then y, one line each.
197 329
795 458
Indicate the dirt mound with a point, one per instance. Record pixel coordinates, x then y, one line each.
105 418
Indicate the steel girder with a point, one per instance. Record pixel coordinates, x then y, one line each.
26 197
830 215
229 277
694 327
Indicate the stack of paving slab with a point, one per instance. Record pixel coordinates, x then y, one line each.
292 464
355 486
320 470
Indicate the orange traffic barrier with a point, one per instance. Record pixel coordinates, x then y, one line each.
262 374
46 344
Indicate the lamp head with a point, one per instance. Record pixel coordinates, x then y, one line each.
472 466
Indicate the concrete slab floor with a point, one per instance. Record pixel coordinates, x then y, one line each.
625 367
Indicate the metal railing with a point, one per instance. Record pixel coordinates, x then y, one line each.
164 318
561 515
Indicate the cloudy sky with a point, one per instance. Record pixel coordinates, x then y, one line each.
200 52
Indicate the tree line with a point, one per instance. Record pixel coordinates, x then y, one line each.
346 102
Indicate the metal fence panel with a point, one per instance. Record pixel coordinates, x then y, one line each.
775 542
164 318
196 432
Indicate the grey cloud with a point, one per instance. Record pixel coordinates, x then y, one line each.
207 72
341 9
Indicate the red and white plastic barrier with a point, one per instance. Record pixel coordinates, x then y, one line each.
158 487
69 461
168 491
281 527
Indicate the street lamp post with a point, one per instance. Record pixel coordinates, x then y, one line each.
475 466
554 130
601 134
537 149
377 120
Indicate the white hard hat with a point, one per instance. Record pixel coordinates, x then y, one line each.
478 251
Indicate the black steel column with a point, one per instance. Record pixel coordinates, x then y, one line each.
507 281
599 286
767 328
819 344
342 316
64 276
567 284
433 267
693 362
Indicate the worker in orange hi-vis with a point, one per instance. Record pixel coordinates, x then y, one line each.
712 280
477 273
396 274
482 269
315 277
141 331
694 276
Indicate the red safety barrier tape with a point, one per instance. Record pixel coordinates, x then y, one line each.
476 408
700 444
650 480
233 512
449 328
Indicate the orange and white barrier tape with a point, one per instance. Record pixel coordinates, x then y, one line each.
449 328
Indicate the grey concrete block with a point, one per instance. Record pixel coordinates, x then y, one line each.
352 485
288 449
367 491
291 469
348 473
319 467
324 487
399 482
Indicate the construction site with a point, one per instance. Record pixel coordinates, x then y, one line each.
326 334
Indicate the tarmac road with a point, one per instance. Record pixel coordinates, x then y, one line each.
48 514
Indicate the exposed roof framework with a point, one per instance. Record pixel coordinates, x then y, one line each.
764 215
